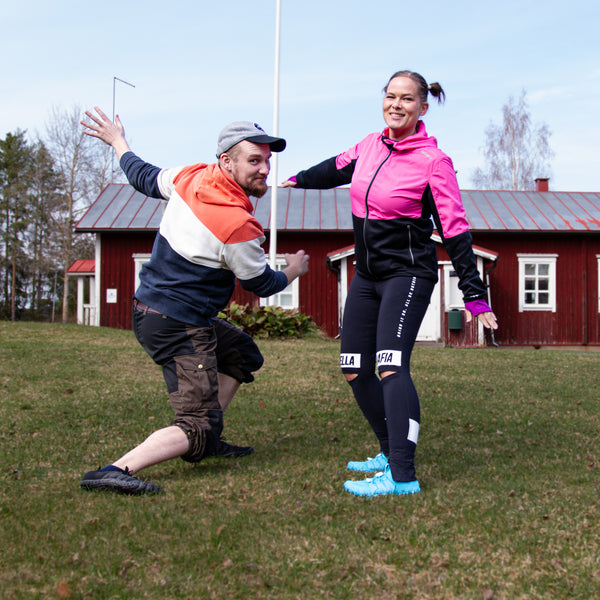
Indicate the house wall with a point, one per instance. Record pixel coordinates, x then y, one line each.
576 320
117 272
318 288
468 336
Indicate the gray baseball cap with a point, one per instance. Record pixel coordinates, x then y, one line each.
238 131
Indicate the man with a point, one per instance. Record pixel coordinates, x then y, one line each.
207 238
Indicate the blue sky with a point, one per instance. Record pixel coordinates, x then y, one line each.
198 65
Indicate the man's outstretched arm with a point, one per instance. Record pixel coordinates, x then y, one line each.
140 174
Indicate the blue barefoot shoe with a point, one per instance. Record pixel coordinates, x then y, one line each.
371 465
382 484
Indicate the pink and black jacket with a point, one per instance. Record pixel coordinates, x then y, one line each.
396 188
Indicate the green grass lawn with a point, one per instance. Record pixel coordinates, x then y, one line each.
508 462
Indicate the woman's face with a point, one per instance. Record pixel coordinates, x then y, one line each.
402 107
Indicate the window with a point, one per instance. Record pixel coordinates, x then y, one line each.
139 260
452 295
287 298
537 282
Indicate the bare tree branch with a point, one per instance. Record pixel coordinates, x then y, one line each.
516 152
84 168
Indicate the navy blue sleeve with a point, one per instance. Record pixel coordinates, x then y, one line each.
269 283
460 251
325 175
140 174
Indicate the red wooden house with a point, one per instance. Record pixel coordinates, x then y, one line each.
538 251
546 285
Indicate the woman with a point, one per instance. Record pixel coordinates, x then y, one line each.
399 180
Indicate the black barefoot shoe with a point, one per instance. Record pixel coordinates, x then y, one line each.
226 450
120 482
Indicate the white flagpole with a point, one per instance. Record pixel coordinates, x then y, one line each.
274 159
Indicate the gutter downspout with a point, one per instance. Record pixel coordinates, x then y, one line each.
487 286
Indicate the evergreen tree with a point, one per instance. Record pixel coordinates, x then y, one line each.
45 202
15 177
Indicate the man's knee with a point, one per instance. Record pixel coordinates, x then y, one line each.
237 354
202 433
350 376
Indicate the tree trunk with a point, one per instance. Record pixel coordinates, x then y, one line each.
12 290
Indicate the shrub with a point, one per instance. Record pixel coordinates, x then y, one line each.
269 321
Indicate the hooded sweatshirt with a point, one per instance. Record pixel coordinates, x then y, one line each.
207 238
396 189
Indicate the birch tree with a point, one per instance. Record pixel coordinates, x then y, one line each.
83 166
517 152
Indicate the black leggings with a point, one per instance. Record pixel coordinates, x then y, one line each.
380 326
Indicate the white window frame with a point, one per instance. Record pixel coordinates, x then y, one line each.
453 298
139 261
292 291
537 260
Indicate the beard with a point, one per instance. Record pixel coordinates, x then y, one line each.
257 188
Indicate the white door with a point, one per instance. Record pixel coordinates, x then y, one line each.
431 327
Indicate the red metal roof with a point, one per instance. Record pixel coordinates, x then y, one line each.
119 207
341 252
82 267
504 210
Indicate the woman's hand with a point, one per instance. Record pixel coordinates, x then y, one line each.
291 182
487 319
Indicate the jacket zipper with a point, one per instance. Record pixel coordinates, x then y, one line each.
367 209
